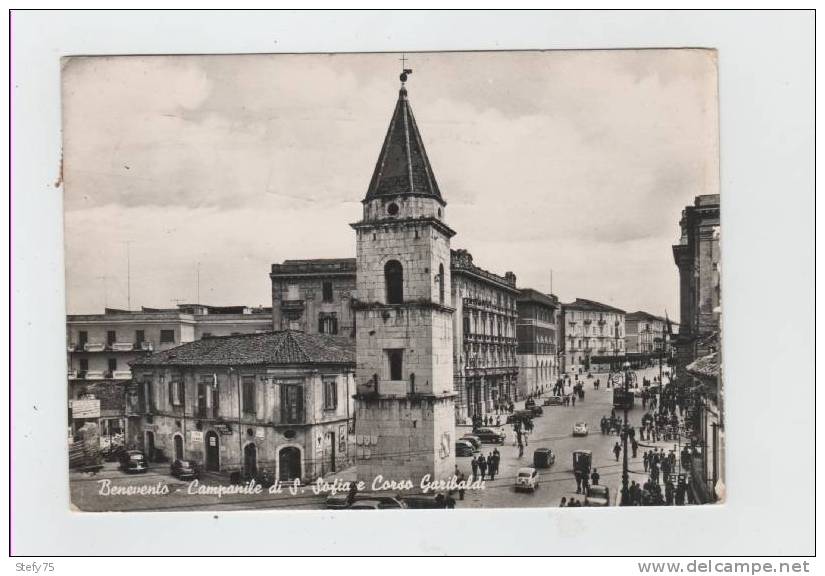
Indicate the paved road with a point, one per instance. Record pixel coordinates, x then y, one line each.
552 430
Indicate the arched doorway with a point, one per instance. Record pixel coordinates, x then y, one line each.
178 447
289 463
149 446
213 461
250 460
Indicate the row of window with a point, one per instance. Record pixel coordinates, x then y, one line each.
208 397
166 337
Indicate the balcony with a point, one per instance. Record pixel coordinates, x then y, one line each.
122 374
122 346
144 346
73 375
94 375
94 347
292 305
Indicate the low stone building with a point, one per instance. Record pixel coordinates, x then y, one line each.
537 334
280 401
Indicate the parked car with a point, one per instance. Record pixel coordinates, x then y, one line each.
527 479
553 401
133 461
580 429
418 501
366 505
463 448
474 440
598 496
490 436
536 410
519 416
183 469
543 458
340 501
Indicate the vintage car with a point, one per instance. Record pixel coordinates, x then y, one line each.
133 461
529 403
582 460
580 429
418 501
490 436
183 469
543 458
520 416
553 401
597 496
527 478
463 448
340 501
474 440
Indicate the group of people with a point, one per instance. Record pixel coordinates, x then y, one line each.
485 467
583 480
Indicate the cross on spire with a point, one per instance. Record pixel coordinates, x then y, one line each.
404 70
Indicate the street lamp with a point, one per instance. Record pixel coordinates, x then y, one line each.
625 499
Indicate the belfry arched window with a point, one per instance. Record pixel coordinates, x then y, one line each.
394 281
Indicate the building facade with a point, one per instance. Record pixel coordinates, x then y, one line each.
698 354
314 296
276 401
537 334
405 415
593 336
101 348
646 334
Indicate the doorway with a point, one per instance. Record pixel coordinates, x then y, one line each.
178 447
331 462
250 460
149 446
289 464
212 451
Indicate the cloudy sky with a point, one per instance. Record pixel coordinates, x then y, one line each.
575 162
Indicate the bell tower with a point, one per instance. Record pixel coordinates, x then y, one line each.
404 415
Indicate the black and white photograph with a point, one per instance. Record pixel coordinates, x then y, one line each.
287 289
518 282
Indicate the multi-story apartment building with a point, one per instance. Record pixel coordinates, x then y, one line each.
537 334
593 335
314 296
646 334
101 348
485 344
280 401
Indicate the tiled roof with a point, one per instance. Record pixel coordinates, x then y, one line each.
706 366
592 305
403 166
641 315
287 347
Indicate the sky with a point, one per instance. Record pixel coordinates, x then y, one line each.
570 164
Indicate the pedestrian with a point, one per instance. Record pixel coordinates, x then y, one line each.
474 466
646 460
563 502
578 475
573 400
635 446
460 479
594 477
450 501
617 450
353 491
491 468
496 459
482 466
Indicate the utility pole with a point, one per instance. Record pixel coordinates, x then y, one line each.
198 285
105 290
128 274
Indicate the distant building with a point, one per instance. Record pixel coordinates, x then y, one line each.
537 333
101 348
314 296
593 336
277 401
646 334
485 344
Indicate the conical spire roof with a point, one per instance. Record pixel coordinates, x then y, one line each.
403 166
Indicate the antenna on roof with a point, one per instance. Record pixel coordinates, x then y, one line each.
105 290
